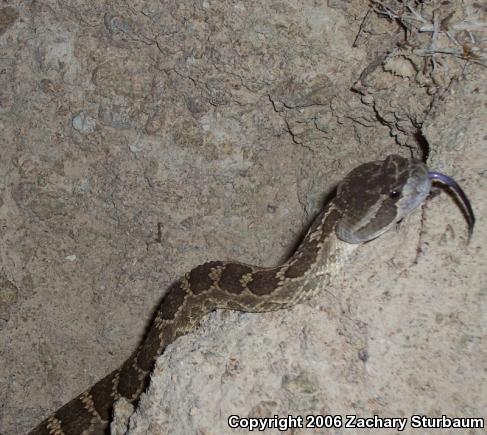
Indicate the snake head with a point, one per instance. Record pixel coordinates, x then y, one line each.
377 195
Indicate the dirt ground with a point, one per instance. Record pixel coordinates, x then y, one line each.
140 139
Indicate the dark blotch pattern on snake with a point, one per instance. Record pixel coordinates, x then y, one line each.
369 201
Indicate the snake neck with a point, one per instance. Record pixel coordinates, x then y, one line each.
318 259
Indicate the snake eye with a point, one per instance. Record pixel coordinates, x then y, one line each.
394 194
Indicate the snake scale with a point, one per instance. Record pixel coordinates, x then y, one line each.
371 199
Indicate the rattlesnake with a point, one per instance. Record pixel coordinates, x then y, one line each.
370 200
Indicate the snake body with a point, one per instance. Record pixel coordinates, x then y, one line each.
369 201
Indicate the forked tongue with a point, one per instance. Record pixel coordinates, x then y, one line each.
453 185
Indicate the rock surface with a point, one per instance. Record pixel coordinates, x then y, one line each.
142 139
